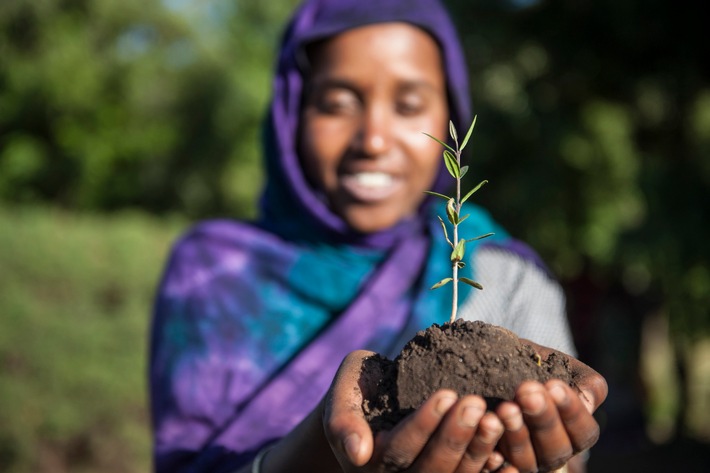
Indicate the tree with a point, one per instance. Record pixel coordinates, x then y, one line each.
107 105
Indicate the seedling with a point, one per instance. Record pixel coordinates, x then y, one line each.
452 159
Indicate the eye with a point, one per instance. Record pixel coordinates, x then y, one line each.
410 105
337 102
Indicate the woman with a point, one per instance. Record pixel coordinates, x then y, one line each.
258 326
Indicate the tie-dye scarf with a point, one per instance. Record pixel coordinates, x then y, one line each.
253 319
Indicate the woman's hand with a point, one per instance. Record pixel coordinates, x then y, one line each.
541 429
547 424
445 435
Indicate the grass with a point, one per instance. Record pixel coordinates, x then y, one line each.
75 299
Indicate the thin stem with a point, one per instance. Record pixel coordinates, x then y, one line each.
455 267
455 282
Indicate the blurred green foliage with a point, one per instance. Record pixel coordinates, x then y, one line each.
75 294
106 105
594 130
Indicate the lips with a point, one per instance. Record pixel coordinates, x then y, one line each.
370 187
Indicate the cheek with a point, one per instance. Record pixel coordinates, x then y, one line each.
427 158
435 123
320 149
330 133
427 151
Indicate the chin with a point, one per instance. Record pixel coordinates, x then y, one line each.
366 222
368 227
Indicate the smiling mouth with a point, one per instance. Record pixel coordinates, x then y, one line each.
370 187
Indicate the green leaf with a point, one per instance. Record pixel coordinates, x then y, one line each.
441 283
445 197
443 226
440 142
481 237
468 133
451 164
457 254
464 218
471 282
464 170
461 264
473 191
451 212
452 131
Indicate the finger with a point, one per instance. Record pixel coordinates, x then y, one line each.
516 444
507 469
547 433
593 386
480 452
346 428
399 448
447 446
582 429
594 390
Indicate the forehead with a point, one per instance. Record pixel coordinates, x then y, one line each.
377 48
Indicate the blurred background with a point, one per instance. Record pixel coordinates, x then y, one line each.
123 121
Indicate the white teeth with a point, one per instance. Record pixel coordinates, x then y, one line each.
373 179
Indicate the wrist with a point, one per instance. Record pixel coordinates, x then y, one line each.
304 449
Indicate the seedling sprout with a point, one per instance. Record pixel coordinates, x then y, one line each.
452 159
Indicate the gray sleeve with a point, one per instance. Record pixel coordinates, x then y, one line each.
520 296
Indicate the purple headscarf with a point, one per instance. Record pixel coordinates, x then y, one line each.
289 204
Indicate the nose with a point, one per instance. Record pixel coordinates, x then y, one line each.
375 133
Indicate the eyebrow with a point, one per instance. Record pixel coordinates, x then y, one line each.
335 83
419 84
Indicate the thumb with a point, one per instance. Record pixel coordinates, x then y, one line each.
594 392
344 423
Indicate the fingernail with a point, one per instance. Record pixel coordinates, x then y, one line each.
491 430
496 460
444 404
559 394
471 415
352 445
534 403
514 422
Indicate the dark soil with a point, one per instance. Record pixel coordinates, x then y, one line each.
467 357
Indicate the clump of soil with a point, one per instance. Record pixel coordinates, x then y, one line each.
467 357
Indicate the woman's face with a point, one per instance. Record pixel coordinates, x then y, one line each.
371 93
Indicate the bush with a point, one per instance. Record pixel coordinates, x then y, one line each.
75 298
